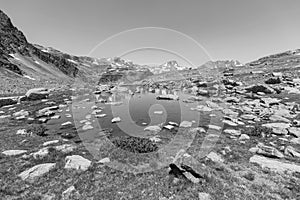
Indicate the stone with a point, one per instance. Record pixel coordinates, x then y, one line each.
66 123
77 162
280 131
204 196
169 127
158 112
230 123
153 128
23 132
215 157
248 117
104 160
50 142
215 127
295 141
173 123
277 118
233 132
21 113
70 193
65 148
87 127
295 131
100 115
155 139
36 171
55 117
244 137
274 165
186 124
168 97
37 94
291 151
269 151
116 119
13 152
42 153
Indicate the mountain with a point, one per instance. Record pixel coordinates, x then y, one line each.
17 52
166 67
120 70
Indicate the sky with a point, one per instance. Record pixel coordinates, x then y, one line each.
191 31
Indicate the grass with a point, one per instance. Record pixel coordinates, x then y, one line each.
135 144
37 129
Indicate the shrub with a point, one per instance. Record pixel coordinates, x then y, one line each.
257 131
37 129
135 144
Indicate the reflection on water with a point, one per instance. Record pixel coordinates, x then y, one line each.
137 107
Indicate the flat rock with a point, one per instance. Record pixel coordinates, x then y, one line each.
186 124
36 171
274 165
233 132
13 152
153 128
50 142
87 127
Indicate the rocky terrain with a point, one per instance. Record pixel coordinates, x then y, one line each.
249 149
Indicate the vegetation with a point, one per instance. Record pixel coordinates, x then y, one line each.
257 131
37 129
135 144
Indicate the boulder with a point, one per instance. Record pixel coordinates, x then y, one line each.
77 162
37 94
273 81
291 151
260 88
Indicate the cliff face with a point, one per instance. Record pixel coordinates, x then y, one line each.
13 41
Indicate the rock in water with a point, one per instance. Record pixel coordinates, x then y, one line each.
115 120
